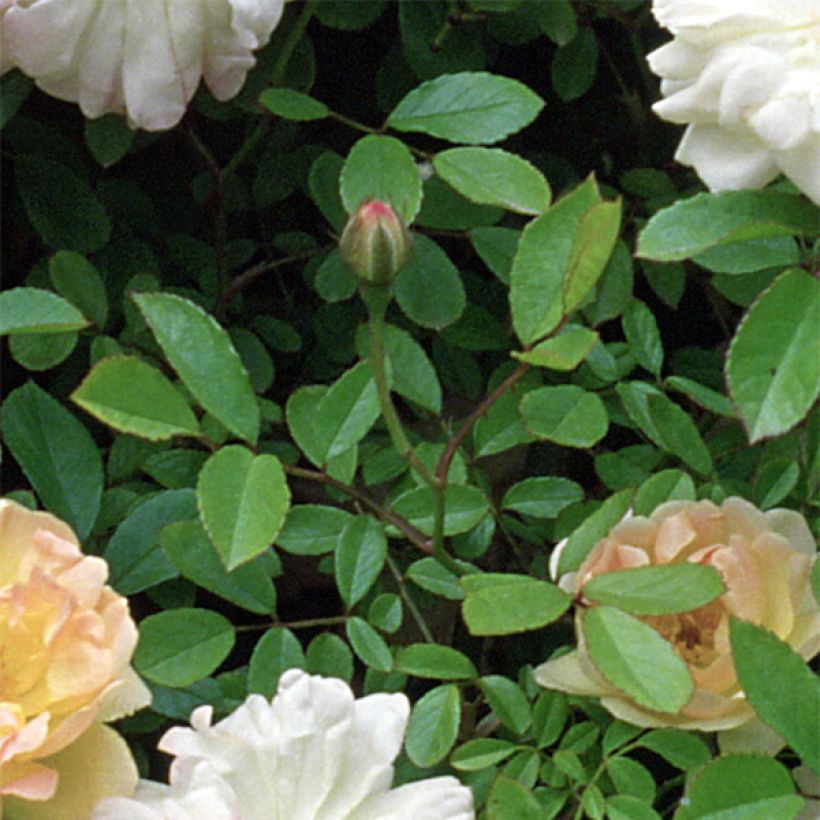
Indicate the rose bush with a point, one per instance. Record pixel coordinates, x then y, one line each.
765 561
142 58
312 753
744 75
65 644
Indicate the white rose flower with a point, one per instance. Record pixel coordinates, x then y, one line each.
313 753
745 76
143 58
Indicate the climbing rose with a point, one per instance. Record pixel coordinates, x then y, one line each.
141 58
65 642
312 753
745 76
765 560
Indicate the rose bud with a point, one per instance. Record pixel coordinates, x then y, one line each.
375 242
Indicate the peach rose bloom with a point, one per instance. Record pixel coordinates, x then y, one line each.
765 560
66 640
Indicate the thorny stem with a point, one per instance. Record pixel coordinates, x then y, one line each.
408 599
333 620
253 273
221 176
414 536
399 438
457 440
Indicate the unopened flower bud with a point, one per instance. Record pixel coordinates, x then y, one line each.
375 242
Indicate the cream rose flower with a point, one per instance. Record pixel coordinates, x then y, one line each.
765 560
65 643
142 58
745 76
312 753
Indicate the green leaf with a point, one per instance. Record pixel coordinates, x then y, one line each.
359 559
750 256
198 348
508 702
773 378
562 352
504 604
565 414
323 184
328 655
627 807
630 777
707 398
14 89
386 612
346 412
660 590
61 206
312 529
789 701
242 501
667 485
592 246
643 336
693 225
511 800
464 507
368 645
32 310
741 786
347 16
41 351
108 138
300 412
592 530
379 167
473 107
182 646
413 374
481 753
190 551
430 574
542 497
133 397
682 749
614 288
428 288
549 716
433 726
57 455
574 65
542 261
134 552
430 660
292 104
492 176
76 279
665 423
557 20
634 657
497 248
334 280
277 651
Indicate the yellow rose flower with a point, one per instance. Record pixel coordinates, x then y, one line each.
66 640
765 560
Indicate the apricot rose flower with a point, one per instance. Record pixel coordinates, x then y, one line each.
765 560
312 753
66 640
142 58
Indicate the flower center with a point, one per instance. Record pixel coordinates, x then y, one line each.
691 633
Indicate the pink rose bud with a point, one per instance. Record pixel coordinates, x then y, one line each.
375 242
